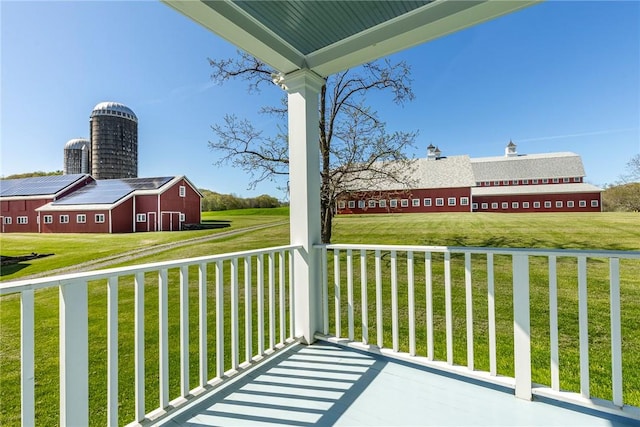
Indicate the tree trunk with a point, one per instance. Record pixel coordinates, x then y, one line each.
326 211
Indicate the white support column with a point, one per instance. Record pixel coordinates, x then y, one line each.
303 87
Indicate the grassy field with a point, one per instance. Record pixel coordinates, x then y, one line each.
587 231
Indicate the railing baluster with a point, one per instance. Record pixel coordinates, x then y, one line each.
163 339
292 306
521 326
219 319
363 291
394 301
235 344
616 334
428 279
350 294
469 309
411 304
584 326
248 312
74 354
184 331
379 320
112 351
202 324
281 307
272 302
325 291
491 306
260 298
139 346
447 307
336 290
27 358
553 323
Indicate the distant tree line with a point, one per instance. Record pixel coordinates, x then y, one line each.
212 201
31 174
624 196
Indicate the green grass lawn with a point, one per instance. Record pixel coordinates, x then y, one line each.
586 231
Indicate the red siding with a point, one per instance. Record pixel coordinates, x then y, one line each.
21 208
122 217
189 205
73 226
555 199
148 205
415 201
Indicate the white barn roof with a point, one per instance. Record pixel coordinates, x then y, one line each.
530 166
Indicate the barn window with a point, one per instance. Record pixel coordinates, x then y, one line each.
81 218
556 180
182 217
48 219
558 203
464 201
415 202
372 203
474 206
525 181
99 218
23 220
404 203
439 201
576 179
361 204
570 203
565 180
485 206
64 219
427 202
514 182
594 203
494 205
582 203
341 205
547 204
393 203
451 201
535 181
515 205
141 217
505 182
525 205
382 203
183 191
496 182
505 205
536 205
545 181
7 220
352 204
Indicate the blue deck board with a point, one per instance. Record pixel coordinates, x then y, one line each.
324 384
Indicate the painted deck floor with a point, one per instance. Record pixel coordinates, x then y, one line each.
326 385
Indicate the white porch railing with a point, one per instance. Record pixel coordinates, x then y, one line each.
444 307
259 280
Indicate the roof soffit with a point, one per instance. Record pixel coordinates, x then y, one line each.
278 32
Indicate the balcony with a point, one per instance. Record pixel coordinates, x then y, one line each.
402 335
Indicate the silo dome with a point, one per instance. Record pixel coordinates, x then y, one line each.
77 156
114 109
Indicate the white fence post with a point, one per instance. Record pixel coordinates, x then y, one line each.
521 326
74 355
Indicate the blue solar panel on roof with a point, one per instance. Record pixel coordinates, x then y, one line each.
109 191
39 185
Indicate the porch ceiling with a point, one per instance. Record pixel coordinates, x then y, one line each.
330 36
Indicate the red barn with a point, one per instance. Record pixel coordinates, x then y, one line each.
108 206
549 182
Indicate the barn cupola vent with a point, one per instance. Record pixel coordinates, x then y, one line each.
510 150
433 153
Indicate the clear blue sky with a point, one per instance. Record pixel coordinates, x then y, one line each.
559 76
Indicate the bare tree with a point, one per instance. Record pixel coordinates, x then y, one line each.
356 151
633 169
